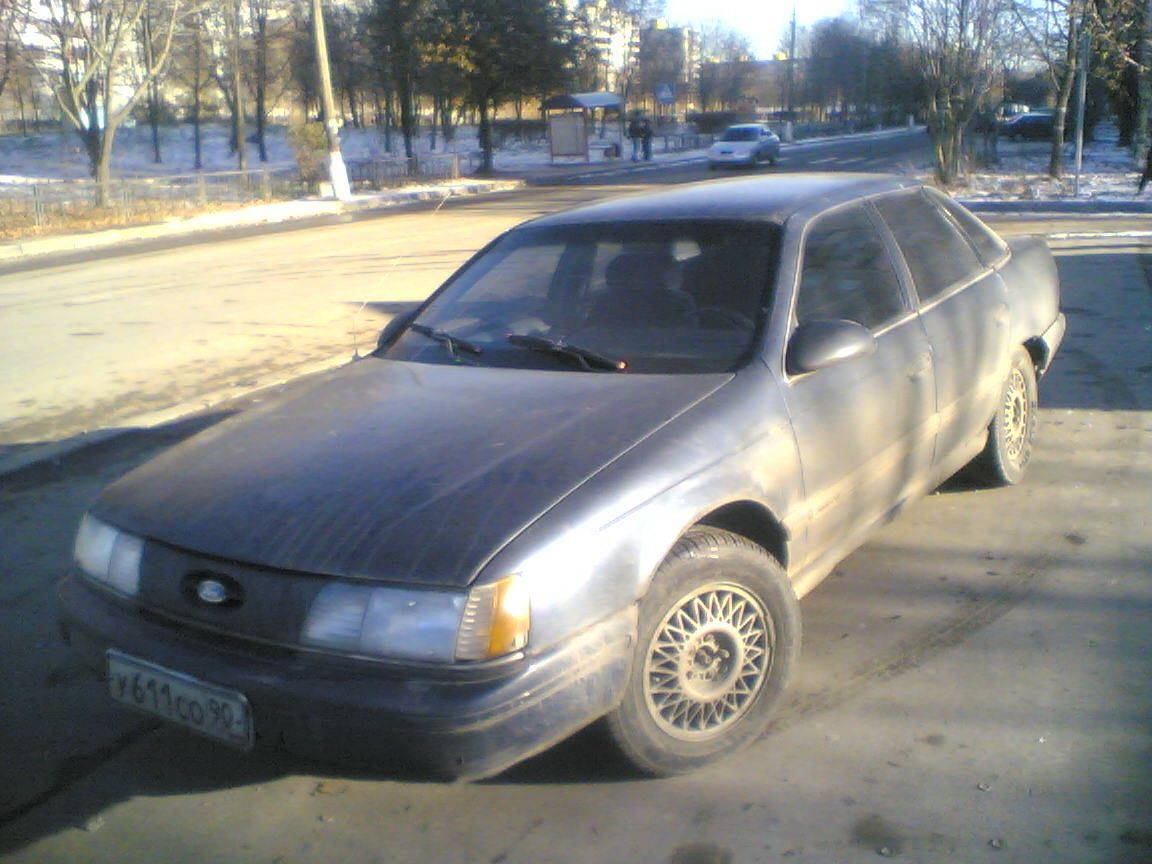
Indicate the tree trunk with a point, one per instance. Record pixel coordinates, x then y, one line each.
1063 96
947 139
485 139
407 116
238 132
262 85
389 119
104 171
446 127
91 139
20 103
198 71
153 88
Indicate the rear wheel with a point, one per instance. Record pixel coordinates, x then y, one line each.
1013 429
719 634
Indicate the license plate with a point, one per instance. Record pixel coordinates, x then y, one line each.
181 699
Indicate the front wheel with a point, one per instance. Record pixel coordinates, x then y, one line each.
719 634
1013 429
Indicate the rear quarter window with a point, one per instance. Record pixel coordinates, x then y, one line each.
938 255
987 242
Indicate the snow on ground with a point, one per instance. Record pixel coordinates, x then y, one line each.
1108 173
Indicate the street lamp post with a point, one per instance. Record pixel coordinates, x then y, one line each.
337 173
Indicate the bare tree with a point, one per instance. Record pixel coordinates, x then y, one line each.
726 72
88 58
1117 51
399 29
152 89
272 34
957 43
192 69
1054 29
11 26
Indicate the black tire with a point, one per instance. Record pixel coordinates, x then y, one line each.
719 635
1012 431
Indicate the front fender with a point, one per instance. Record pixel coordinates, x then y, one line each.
597 551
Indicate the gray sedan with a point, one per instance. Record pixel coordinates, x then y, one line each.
588 480
745 144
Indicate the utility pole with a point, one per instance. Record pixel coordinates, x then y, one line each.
337 173
792 66
1081 98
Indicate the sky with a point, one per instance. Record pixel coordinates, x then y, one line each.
764 22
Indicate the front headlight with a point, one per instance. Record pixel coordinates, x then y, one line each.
108 555
430 626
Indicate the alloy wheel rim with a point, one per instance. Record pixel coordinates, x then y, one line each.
707 662
1016 410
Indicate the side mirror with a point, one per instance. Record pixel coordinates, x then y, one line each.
823 343
394 328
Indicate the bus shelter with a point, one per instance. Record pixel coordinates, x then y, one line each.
572 119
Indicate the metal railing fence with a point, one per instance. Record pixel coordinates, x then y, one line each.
30 208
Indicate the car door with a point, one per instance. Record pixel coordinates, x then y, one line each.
964 308
864 427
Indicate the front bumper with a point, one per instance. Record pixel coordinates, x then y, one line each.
463 725
741 159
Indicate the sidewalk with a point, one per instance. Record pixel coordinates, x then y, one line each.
249 216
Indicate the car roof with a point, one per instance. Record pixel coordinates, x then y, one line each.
761 199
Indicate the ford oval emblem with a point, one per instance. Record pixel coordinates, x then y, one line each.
212 591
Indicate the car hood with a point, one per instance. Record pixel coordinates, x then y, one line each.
393 471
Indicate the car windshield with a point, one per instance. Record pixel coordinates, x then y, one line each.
740 133
669 297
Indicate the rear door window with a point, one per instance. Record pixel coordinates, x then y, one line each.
939 257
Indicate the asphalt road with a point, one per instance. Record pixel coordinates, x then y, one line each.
974 685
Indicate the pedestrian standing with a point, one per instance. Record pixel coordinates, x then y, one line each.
636 133
646 135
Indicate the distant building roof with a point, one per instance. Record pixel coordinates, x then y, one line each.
584 101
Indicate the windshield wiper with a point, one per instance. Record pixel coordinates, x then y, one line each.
588 360
454 344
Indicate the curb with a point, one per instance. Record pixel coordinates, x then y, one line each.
246 217
1057 208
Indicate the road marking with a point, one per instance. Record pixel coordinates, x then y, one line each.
1092 235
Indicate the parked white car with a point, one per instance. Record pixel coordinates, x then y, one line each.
745 144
